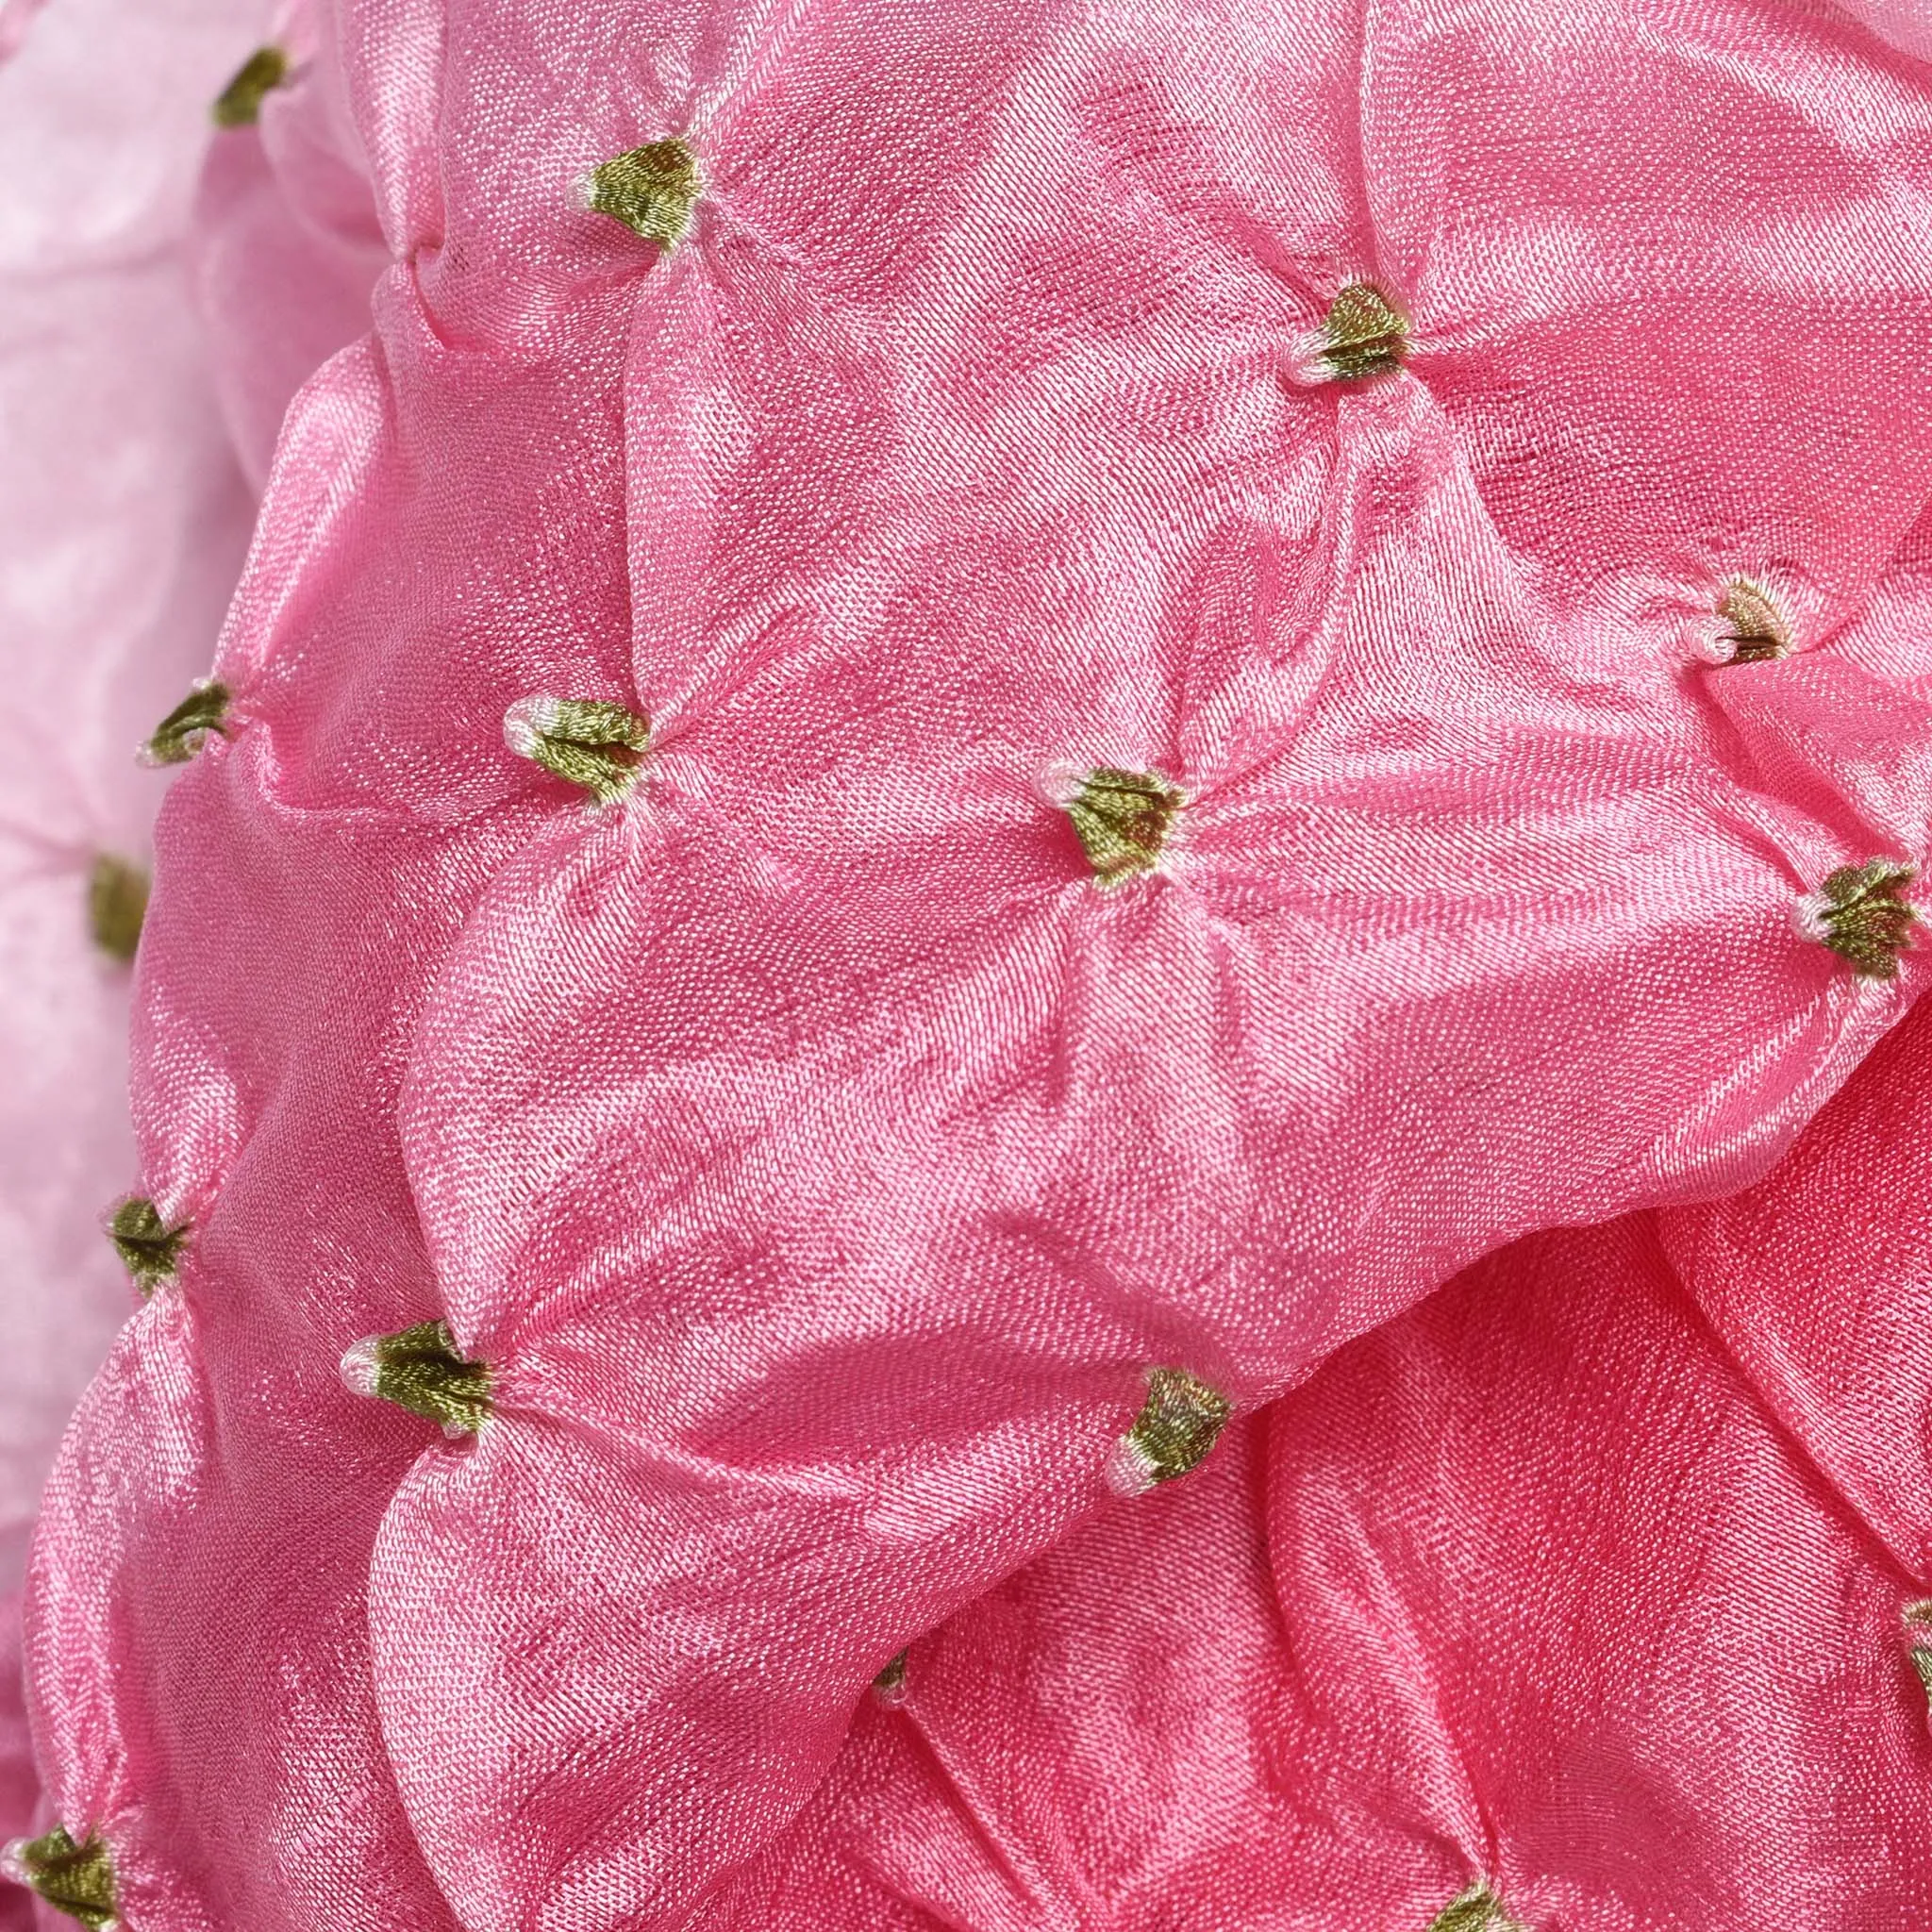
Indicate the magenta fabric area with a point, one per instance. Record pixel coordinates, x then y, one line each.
1483 1081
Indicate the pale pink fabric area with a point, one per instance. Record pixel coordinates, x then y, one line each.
819 1157
123 521
285 244
1546 1584
1907 24
121 533
15 18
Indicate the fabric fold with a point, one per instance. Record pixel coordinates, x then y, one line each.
1132 810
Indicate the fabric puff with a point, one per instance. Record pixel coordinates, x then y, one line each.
123 521
284 243
1122 824
1544 1594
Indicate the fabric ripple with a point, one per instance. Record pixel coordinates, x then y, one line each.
818 1154
1558 1586
123 521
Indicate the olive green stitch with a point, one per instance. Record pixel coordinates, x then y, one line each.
890 1682
77 1879
1366 334
1859 914
1177 1424
1918 1622
1478 1909
1122 820
419 1368
185 729
239 104
150 1250
1757 628
650 190
593 744
116 906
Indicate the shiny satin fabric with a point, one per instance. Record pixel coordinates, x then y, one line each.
123 522
818 1154
283 243
1907 24
1586 1582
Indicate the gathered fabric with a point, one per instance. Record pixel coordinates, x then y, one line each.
1592 1592
284 245
971 734
122 523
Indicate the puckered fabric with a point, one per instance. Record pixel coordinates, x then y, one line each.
122 523
1590 1584
974 731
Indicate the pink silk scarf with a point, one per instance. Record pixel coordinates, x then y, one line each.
823 1157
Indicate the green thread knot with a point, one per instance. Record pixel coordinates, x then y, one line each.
1859 913
889 1685
1758 632
1122 820
116 906
239 104
419 1368
593 744
150 1250
1178 1424
650 190
1478 1909
1366 334
77 1879
1918 1622
186 728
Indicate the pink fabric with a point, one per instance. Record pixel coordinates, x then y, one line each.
122 528
1907 24
817 1155
1583 1579
15 18
123 521
20 1784
285 242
